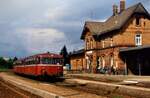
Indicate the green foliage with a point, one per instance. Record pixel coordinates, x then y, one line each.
6 64
3 69
15 59
64 53
2 62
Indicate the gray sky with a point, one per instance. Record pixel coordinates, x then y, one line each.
34 26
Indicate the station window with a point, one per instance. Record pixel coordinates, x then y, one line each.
103 61
137 21
103 44
138 39
87 44
111 42
111 60
144 24
91 44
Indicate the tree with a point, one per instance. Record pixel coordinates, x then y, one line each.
3 62
6 63
64 53
15 59
10 63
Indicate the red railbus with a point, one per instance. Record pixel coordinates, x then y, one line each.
46 64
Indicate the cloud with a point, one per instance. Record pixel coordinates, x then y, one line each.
40 40
56 13
33 26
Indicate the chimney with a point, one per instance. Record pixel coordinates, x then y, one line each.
122 5
115 10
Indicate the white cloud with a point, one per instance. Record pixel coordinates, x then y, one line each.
34 26
56 13
42 40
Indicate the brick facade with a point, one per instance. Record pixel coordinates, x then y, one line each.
77 60
104 50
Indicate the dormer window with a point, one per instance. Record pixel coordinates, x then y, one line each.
137 21
138 39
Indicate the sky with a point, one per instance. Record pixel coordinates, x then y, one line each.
29 27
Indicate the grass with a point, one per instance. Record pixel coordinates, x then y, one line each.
3 69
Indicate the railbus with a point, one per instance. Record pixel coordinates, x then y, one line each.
40 65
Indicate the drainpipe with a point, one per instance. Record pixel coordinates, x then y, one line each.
139 69
139 65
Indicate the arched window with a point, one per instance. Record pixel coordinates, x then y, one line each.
87 44
100 61
103 61
111 60
138 39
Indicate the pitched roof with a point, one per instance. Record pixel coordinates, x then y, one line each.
81 51
114 22
133 49
45 55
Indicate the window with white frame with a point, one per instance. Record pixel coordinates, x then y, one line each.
138 39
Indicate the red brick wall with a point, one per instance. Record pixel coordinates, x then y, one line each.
125 37
77 62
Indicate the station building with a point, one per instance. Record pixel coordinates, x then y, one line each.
122 42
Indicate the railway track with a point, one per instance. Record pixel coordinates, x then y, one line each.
58 88
8 91
70 88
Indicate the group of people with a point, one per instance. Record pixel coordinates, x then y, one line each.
106 70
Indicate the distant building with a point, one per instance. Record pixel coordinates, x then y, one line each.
121 43
78 61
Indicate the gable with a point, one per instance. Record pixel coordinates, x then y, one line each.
114 22
92 27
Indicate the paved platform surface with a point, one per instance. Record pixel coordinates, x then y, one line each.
110 78
134 86
41 88
108 88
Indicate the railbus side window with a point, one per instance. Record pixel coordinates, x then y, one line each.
50 60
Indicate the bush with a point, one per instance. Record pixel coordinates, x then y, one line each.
6 64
